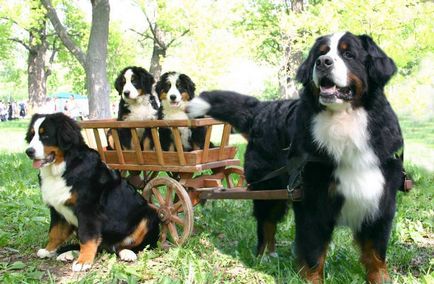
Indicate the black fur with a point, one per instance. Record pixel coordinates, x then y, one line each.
105 206
273 126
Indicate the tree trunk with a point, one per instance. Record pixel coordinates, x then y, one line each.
157 54
291 60
94 61
36 69
96 66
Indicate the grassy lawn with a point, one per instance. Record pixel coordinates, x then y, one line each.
222 247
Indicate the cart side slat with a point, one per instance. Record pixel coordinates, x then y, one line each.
207 144
178 145
118 146
157 145
98 143
225 139
137 146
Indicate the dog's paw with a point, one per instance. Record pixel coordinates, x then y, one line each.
127 255
67 256
273 254
78 266
43 253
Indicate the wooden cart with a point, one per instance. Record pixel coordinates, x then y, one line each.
209 173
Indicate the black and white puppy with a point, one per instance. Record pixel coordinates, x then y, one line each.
85 196
344 121
137 102
175 90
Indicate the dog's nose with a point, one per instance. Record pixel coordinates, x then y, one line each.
172 97
30 152
127 93
324 62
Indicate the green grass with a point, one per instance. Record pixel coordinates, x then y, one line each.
222 247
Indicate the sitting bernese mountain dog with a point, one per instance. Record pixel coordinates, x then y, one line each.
349 138
137 102
85 196
175 90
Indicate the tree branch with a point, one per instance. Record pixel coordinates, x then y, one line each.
26 46
154 31
176 38
63 35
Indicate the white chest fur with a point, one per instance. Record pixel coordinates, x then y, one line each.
184 131
344 135
141 110
55 192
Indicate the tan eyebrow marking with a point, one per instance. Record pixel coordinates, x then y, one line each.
324 48
343 45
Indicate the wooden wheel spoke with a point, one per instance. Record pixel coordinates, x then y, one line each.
177 220
163 234
177 207
229 181
153 206
158 195
173 232
169 194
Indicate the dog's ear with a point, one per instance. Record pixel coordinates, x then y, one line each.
191 86
68 132
146 80
305 71
119 82
379 66
159 85
29 134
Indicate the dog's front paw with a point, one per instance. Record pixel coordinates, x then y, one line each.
67 256
127 255
79 266
43 253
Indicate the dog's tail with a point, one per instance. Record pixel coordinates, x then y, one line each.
234 108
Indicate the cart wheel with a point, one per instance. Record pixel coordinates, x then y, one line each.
234 177
174 209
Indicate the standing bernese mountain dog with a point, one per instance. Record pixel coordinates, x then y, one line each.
351 140
175 90
85 196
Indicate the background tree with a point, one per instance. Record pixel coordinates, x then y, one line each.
94 59
163 31
34 37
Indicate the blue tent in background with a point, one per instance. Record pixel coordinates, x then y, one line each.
66 95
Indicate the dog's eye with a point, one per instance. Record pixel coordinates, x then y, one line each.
44 137
348 54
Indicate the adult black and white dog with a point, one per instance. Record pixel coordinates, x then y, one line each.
85 196
175 90
137 102
345 123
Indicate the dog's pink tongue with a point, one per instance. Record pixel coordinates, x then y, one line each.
37 164
328 90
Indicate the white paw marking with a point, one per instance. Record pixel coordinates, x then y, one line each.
197 107
273 254
43 253
127 255
67 256
77 267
